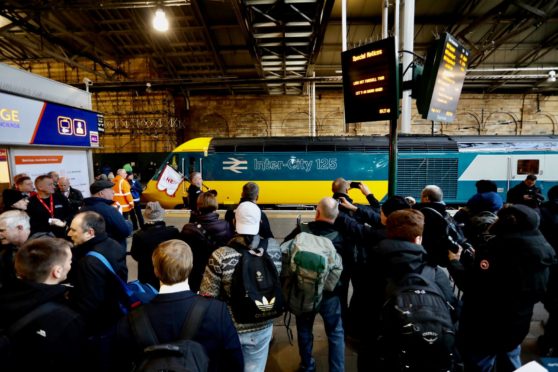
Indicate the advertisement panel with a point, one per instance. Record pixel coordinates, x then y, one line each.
68 163
25 121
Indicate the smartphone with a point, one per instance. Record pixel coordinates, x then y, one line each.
355 185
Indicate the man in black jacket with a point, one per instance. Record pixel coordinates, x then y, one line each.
54 339
526 193
96 293
500 289
100 201
144 242
74 196
251 193
14 232
49 211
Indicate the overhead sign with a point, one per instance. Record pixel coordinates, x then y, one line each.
442 80
370 82
32 122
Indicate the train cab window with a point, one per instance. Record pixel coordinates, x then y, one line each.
528 166
191 165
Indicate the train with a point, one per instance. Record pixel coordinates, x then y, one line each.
298 171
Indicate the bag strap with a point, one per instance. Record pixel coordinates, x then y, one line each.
141 328
434 210
206 233
194 318
34 314
107 264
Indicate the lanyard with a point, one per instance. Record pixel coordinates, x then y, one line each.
51 209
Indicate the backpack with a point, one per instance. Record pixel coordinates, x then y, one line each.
181 355
6 335
134 293
202 244
312 266
255 289
441 233
417 331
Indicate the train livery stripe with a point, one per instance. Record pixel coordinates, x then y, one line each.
271 192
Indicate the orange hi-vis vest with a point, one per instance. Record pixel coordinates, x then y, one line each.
122 194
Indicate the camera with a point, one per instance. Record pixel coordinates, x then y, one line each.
355 185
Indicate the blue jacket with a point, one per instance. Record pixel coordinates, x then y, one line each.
167 313
117 227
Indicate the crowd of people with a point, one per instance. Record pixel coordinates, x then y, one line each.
62 307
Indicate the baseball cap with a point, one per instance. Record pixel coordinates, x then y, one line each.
247 217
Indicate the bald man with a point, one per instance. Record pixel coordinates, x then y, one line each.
74 196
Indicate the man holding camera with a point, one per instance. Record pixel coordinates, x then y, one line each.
526 193
352 251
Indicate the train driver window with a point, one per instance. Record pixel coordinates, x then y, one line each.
528 166
191 165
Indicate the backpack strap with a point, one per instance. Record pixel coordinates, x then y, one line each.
206 234
107 264
305 228
141 328
145 334
31 316
194 318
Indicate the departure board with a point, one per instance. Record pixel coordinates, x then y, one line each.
442 80
370 82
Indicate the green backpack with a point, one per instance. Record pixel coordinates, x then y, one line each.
310 265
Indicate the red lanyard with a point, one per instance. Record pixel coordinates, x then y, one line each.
51 209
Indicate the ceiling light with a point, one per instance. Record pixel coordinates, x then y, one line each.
160 21
551 76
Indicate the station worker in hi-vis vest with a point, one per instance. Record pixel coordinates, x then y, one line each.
122 193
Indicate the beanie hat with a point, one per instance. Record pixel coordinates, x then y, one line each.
11 196
128 168
393 204
247 217
516 218
154 212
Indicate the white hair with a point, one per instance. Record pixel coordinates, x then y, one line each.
16 218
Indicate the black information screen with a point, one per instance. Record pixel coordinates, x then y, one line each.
444 74
370 82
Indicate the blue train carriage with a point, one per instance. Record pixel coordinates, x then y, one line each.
300 170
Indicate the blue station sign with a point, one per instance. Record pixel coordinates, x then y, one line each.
25 121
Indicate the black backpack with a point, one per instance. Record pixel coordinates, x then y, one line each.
256 290
183 355
441 233
7 335
417 331
202 244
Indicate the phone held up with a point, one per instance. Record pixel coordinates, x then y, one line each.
355 185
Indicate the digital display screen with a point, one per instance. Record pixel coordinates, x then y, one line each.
370 82
442 80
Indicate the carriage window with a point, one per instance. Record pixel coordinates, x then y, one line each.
530 166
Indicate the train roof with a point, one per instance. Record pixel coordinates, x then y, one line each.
379 144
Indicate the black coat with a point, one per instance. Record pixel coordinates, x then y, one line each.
144 243
96 294
7 270
116 226
218 234
75 199
54 341
167 313
500 289
39 215
516 193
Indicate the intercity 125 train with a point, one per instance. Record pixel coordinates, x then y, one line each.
295 171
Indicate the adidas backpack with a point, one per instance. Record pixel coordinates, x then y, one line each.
313 265
255 290
417 331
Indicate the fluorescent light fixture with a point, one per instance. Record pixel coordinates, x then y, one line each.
160 21
551 76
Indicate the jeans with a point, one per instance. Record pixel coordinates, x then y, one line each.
330 310
255 347
509 361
